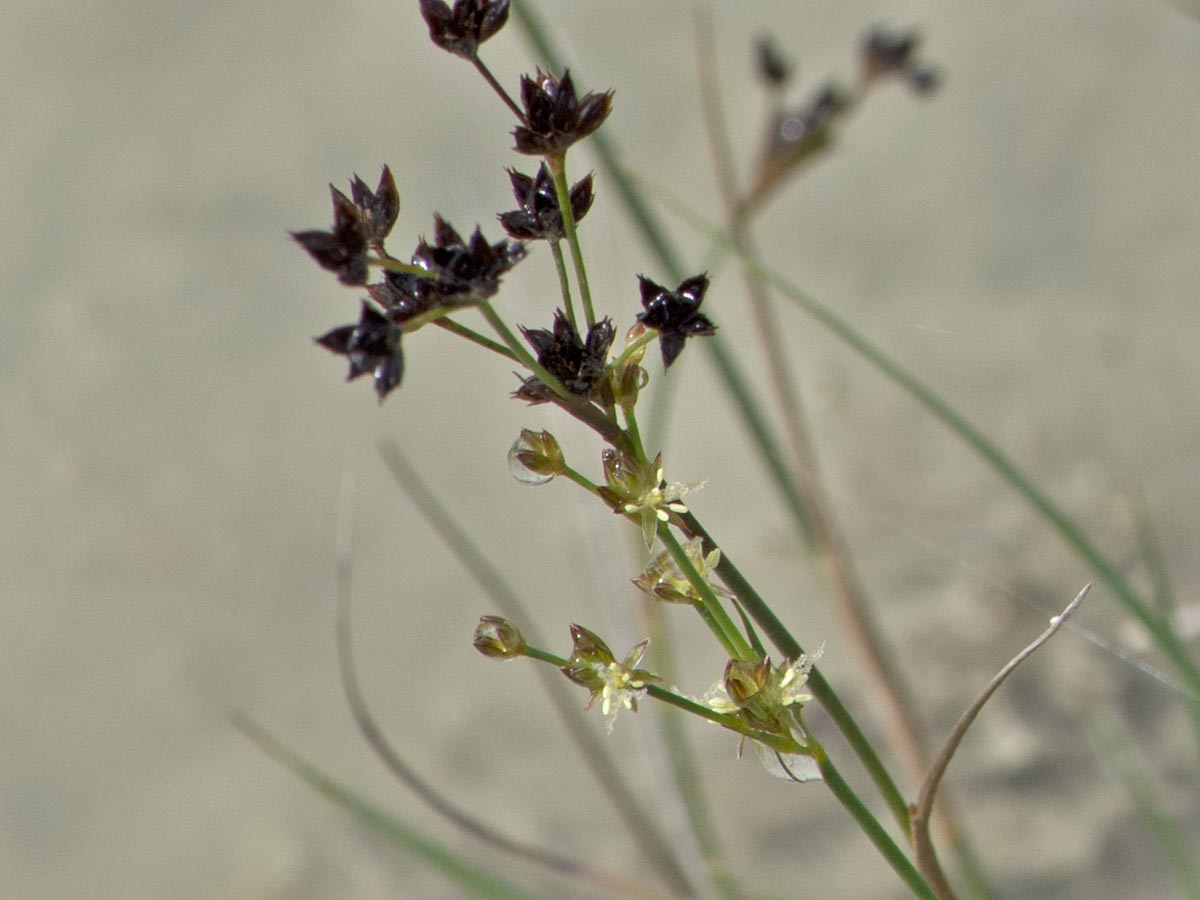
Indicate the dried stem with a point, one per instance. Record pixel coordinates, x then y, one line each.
923 850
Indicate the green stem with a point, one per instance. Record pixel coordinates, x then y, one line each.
546 656
708 606
558 170
564 283
635 436
581 480
475 337
868 823
523 356
762 614
1171 840
643 340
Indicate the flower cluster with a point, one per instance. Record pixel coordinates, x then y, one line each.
664 580
357 223
579 364
886 53
450 272
555 117
538 217
372 345
765 697
615 684
639 490
462 29
675 315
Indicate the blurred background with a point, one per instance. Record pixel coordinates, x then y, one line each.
1026 240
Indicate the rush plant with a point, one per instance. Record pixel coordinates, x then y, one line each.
591 358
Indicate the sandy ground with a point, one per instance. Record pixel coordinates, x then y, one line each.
173 444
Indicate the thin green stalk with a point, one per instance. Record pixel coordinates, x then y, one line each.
822 690
643 340
887 848
391 264
635 435
558 171
475 337
708 606
523 356
580 479
564 283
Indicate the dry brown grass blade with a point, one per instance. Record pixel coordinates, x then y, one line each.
923 850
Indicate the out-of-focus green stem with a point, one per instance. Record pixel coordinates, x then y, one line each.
450 861
1171 840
